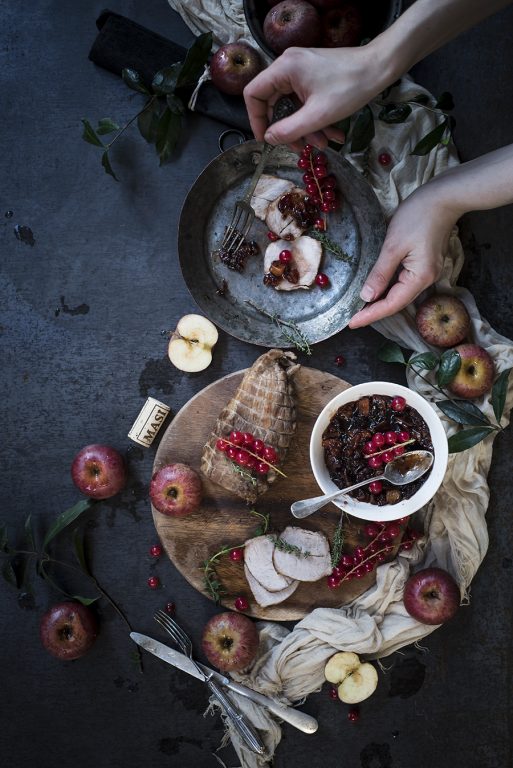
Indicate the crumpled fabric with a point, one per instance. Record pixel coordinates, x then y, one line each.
290 664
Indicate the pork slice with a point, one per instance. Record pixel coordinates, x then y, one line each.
258 558
268 189
283 225
312 564
263 596
306 258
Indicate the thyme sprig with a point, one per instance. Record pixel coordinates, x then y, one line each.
244 473
338 542
292 549
289 330
330 245
264 525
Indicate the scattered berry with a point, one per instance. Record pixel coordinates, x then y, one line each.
154 582
272 237
285 256
170 607
156 550
333 693
319 225
398 403
340 360
322 280
384 159
237 554
241 604
376 487
353 715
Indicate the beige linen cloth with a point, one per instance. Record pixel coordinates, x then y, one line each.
291 663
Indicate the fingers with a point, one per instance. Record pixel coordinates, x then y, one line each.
382 272
399 296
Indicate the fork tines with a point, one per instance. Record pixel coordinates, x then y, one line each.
174 629
237 231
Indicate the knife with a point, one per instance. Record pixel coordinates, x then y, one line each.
300 720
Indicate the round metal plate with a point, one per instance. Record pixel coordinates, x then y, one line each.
358 227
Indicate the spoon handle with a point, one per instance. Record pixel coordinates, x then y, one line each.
307 507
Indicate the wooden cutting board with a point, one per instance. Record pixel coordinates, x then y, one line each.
225 520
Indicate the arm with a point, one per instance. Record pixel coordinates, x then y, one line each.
333 83
419 231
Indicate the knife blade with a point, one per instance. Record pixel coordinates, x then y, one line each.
300 720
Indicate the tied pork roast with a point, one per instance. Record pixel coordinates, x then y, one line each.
263 405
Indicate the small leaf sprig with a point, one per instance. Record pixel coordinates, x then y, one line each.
289 330
244 473
338 542
160 120
463 412
330 245
292 549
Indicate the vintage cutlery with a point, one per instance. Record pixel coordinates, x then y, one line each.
243 214
400 471
295 717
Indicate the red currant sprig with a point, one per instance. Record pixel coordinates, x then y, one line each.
365 558
319 183
249 452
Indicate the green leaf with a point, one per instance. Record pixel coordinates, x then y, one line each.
85 600
79 548
426 361
148 120
134 81
165 80
107 166
106 125
420 98
467 438
89 134
343 125
195 60
430 140
9 574
65 519
363 130
168 133
29 533
445 102
175 104
450 364
391 352
394 113
463 411
499 392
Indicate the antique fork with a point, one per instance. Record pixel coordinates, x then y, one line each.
239 722
243 214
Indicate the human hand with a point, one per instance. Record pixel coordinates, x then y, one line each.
330 85
415 244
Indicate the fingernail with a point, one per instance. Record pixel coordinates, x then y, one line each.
367 293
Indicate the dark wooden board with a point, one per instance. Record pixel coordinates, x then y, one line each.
224 519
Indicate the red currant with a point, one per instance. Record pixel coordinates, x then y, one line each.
387 456
241 604
329 182
380 557
340 360
376 487
326 206
399 450
378 440
391 438
320 158
221 445
347 561
231 452
308 149
333 205
322 280
311 189
371 531
394 530
384 159
329 194
368 447
242 458
375 462
333 693
270 454
353 715
340 572
359 573
403 437
272 236
285 256
262 468
398 403
308 178
319 225
406 545
303 163
288 236
259 447
248 440
156 550
333 581
236 437
252 462
154 582
170 607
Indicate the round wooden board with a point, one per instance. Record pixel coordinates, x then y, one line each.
225 520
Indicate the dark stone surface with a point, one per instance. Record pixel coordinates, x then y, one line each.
81 315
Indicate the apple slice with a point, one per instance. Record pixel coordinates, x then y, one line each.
190 347
340 666
359 684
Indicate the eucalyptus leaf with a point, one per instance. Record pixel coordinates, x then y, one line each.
168 133
65 519
165 80
467 438
134 81
463 412
148 120
9 573
363 130
426 361
499 392
391 352
445 102
343 125
106 125
450 364
85 600
394 113
195 60
430 140
175 104
79 548
107 166
89 134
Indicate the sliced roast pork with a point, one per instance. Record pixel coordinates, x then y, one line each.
306 258
305 555
263 596
280 218
258 559
268 189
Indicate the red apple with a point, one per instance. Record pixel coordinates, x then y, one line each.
230 641
292 22
443 321
431 596
342 26
476 373
232 67
99 471
175 490
68 630
326 5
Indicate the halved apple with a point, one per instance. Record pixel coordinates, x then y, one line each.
356 681
190 347
340 666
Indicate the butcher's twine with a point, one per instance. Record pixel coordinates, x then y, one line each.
291 663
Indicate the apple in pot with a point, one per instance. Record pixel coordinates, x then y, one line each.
292 22
233 66
342 26
175 490
99 471
431 596
68 630
443 321
230 641
475 376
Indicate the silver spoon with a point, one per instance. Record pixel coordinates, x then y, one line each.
400 471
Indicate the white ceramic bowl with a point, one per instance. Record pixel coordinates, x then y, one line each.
405 507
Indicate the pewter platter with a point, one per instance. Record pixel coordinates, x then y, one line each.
358 227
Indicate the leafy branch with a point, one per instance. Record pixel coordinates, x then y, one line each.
330 245
292 549
160 120
463 412
290 331
338 542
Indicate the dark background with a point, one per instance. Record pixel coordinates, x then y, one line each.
81 315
